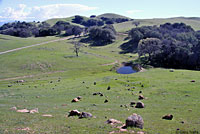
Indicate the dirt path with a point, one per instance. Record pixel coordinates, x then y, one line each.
17 49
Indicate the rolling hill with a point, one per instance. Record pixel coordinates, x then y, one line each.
194 22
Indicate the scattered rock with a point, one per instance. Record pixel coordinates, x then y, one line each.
47 115
113 121
51 81
182 122
135 121
79 97
168 117
140 92
98 93
75 100
24 129
9 85
132 103
106 101
142 85
95 83
141 97
101 94
34 111
171 70
85 115
13 108
20 81
74 113
139 105
108 88
192 81
23 111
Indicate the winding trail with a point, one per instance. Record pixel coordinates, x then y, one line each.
17 49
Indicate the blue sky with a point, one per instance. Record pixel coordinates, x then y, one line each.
44 9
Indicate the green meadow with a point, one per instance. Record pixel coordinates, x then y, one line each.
54 76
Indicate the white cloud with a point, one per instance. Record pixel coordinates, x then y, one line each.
22 12
133 11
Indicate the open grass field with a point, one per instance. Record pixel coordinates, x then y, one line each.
54 76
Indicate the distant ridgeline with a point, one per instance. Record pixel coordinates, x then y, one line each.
40 29
170 45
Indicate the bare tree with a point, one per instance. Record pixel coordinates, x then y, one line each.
136 23
77 46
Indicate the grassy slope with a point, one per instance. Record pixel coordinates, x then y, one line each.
10 42
123 27
69 19
166 91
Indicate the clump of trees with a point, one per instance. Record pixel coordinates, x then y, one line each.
25 29
93 21
170 45
102 35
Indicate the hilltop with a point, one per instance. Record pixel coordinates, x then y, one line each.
194 22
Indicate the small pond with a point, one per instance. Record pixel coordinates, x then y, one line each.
126 70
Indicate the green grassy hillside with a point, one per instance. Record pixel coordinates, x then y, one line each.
10 42
193 22
54 76
112 15
69 19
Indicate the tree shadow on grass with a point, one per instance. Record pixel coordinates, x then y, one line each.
129 47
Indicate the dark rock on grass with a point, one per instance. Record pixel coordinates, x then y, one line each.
9 85
135 121
168 117
192 81
95 83
75 100
142 85
79 97
108 88
98 93
132 103
171 70
101 94
51 81
140 92
139 105
141 97
74 113
106 101
85 115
